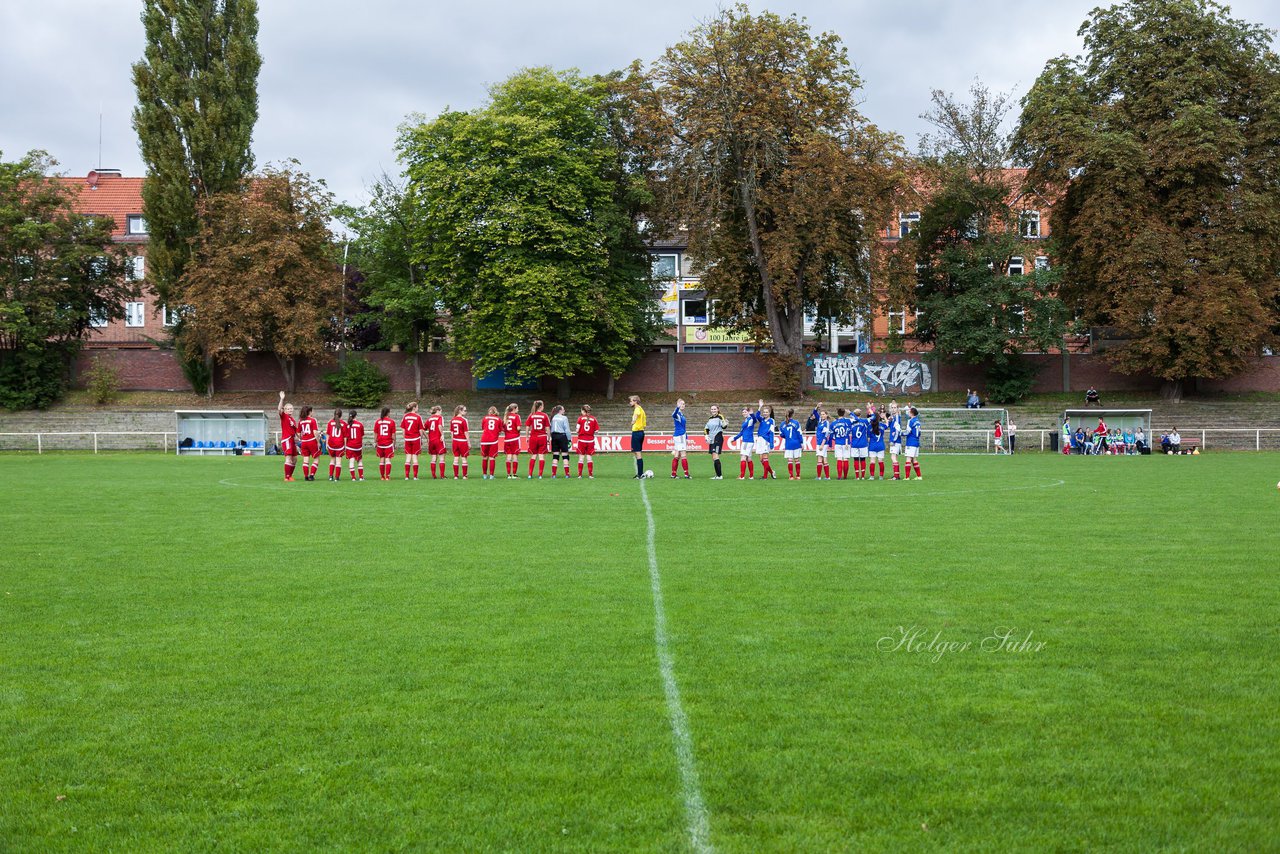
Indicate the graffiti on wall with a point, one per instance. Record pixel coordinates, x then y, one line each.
870 375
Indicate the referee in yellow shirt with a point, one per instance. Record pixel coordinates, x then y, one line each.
638 423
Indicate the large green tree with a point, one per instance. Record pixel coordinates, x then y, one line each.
759 151
58 272
975 305
1164 136
403 304
262 275
525 223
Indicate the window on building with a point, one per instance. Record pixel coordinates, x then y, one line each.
97 318
898 320
135 224
137 268
1030 224
711 348
1015 266
1017 319
135 314
170 316
694 312
1042 262
666 268
908 222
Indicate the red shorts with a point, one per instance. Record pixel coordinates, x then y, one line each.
335 451
511 446
488 449
462 449
413 446
386 453
435 447
311 449
355 453
537 444
289 447
586 447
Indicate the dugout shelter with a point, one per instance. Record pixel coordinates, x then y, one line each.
205 432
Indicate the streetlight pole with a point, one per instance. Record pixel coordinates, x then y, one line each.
342 302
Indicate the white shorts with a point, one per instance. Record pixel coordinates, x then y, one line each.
792 453
763 447
876 455
859 453
998 441
680 443
821 451
746 450
912 451
895 448
842 452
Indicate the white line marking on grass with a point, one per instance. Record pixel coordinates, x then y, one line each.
695 809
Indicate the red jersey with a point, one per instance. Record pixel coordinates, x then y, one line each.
384 432
288 426
435 428
587 427
336 431
538 424
308 429
355 436
458 428
412 426
489 426
511 424
999 431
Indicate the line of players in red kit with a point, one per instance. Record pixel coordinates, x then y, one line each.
344 440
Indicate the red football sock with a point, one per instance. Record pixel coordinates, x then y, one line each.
542 465
742 468
916 463
751 468
531 462
288 470
464 468
684 464
675 465
591 469
882 469
415 471
579 469
455 469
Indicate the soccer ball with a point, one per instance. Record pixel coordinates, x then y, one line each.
648 473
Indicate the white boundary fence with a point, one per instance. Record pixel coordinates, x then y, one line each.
934 441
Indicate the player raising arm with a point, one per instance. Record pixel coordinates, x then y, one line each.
355 446
588 426
841 434
412 426
822 444
288 437
679 439
335 433
764 439
511 440
435 442
309 444
458 429
384 442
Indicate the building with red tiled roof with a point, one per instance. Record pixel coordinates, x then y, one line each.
107 193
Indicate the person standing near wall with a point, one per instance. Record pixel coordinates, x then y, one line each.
714 431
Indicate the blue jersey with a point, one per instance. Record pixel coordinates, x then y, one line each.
748 432
875 442
913 433
765 430
895 430
840 430
792 435
823 436
680 423
861 427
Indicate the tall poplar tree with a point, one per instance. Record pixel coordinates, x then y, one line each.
197 87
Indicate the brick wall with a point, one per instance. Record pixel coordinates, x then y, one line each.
157 370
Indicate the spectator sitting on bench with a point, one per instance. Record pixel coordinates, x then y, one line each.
1175 442
1165 444
972 401
1091 397
1078 441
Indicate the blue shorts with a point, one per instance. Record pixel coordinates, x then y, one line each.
637 441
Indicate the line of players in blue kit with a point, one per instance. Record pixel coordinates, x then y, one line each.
858 443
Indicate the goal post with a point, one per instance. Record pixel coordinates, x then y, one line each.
959 430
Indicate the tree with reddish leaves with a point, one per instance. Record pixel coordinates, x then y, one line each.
262 273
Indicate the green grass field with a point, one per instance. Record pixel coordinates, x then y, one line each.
194 655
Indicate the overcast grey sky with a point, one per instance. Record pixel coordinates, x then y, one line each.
338 77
